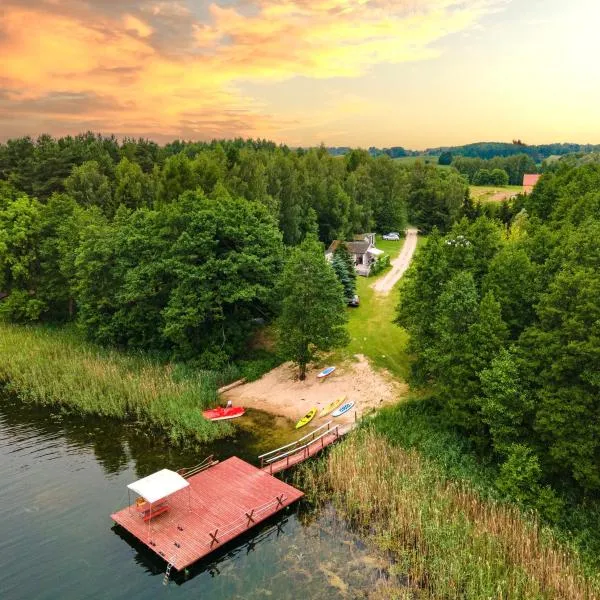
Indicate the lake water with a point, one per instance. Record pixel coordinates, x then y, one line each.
61 477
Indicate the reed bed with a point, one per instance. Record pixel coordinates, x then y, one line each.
55 367
448 542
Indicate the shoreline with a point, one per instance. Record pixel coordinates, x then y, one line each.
280 393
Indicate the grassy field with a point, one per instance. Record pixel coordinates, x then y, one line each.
55 366
371 326
489 193
428 160
446 540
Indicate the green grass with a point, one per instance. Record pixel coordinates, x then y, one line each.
49 366
371 326
426 159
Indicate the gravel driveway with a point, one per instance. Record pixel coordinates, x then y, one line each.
399 265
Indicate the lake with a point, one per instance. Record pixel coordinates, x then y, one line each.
62 476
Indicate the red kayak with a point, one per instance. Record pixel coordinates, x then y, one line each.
220 413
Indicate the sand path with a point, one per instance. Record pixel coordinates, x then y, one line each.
281 393
399 265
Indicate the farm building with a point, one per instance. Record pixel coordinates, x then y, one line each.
529 181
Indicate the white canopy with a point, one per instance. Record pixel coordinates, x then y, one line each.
159 485
375 251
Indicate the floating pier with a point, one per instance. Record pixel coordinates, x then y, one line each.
183 520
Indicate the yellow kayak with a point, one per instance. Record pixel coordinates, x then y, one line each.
307 418
332 406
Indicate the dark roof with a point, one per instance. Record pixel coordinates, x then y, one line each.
353 247
358 247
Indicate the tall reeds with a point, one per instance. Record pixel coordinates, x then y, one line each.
50 366
447 540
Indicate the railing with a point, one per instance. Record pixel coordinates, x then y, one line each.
208 462
246 522
301 445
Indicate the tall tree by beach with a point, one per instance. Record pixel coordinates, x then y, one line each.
313 310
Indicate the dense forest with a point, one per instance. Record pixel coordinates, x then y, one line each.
495 171
505 324
537 153
484 150
178 249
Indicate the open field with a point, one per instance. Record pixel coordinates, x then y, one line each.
490 193
426 159
55 366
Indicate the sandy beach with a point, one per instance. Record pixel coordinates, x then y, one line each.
281 393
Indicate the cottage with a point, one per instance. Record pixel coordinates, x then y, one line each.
362 249
529 181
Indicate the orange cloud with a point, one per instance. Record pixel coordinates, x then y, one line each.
158 68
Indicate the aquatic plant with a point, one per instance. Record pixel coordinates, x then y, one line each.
448 540
55 366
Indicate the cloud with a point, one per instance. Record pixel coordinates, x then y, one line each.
171 68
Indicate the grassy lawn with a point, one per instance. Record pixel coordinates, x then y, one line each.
371 325
490 193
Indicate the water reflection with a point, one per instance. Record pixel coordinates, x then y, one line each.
283 556
115 443
62 476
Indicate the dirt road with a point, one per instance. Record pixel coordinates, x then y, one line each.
399 265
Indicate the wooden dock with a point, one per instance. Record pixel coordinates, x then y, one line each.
221 503
292 454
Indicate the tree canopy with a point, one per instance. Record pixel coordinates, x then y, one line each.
176 248
313 309
505 323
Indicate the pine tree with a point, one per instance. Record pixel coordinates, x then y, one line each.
343 265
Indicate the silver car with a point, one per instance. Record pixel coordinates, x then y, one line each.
392 236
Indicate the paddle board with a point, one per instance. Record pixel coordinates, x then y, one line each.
332 405
307 418
343 409
326 372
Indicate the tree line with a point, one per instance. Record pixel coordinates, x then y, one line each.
538 153
505 323
178 249
495 171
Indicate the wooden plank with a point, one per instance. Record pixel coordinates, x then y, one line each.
211 512
232 385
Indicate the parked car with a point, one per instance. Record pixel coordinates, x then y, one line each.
354 301
392 236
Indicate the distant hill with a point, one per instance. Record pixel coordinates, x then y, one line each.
484 150
491 149
393 152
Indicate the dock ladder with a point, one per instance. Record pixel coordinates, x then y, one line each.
170 566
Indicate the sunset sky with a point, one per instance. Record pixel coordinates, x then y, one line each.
413 73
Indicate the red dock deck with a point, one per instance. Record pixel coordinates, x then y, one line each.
220 504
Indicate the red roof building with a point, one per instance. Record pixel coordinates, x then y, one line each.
529 181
